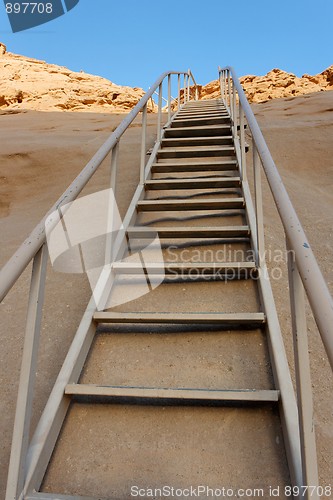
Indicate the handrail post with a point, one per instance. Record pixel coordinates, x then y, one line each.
303 377
188 86
225 89
258 206
179 92
114 166
229 94
112 206
221 84
143 145
169 97
231 99
159 116
221 72
242 140
21 432
234 105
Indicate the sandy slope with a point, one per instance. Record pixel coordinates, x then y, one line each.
42 152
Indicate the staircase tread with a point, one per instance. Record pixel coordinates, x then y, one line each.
167 268
190 181
202 204
249 319
189 232
158 265
239 395
199 114
205 120
195 163
196 148
205 127
197 138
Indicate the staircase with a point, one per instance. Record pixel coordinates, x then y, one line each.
195 203
187 385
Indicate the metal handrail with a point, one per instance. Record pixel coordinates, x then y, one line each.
29 248
35 249
313 281
303 274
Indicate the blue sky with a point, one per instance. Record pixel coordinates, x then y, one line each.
131 42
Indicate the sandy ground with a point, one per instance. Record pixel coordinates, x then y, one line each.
41 153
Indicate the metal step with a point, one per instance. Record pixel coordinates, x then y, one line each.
235 269
56 496
200 114
203 131
197 141
250 320
204 105
149 395
189 232
180 205
196 152
186 166
206 109
217 182
189 122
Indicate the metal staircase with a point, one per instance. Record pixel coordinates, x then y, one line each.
194 203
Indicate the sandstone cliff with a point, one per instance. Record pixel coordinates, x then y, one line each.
276 84
31 84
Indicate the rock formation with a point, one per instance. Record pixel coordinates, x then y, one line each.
32 84
276 84
35 85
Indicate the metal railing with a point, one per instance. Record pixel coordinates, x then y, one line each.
26 252
34 249
303 269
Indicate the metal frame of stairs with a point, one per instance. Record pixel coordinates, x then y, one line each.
202 136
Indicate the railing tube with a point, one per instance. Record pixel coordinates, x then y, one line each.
143 145
303 378
159 116
178 92
225 88
229 96
22 421
316 288
19 261
220 82
242 141
169 98
112 206
234 105
258 207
